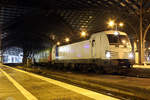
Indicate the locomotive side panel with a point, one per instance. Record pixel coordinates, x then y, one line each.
100 46
75 51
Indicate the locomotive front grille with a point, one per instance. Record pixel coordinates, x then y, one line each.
119 55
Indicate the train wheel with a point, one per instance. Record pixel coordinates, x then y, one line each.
90 68
72 67
77 67
102 71
129 66
84 68
62 66
80 67
95 69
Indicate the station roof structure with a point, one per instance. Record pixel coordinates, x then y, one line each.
37 23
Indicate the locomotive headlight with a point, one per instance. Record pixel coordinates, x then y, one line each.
116 33
107 54
131 55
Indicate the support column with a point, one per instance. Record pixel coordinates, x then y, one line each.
141 51
1 44
0 39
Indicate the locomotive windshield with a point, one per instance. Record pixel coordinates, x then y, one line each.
119 39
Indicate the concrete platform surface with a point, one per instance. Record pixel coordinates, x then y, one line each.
131 86
142 66
8 91
20 85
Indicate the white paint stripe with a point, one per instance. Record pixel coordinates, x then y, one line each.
27 94
85 92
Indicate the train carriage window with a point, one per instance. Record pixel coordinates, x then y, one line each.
56 51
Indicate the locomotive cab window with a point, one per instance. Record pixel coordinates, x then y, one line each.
120 39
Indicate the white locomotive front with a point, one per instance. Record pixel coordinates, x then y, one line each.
105 49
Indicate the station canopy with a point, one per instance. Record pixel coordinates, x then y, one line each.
36 24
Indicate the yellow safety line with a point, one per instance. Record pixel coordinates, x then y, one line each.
27 94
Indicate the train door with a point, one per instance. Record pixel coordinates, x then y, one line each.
56 52
93 47
101 46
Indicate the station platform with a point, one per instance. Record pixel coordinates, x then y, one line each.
144 66
21 85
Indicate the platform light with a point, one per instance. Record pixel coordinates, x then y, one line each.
83 34
149 48
58 43
67 39
121 24
111 23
